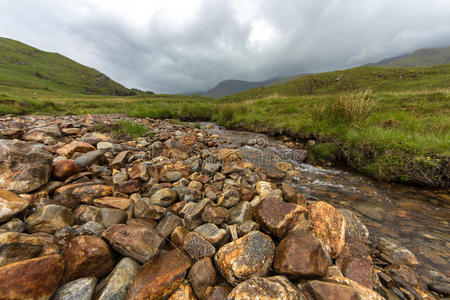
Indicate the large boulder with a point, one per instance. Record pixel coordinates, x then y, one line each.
248 256
267 288
25 166
159 277
35 278
328 225
11 205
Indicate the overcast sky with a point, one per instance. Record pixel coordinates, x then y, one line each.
189 45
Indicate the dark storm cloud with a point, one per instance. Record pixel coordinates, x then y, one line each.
174 46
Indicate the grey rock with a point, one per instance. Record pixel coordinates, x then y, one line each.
211 232
239 213
49 219
168 224
163 197
79 289
110 216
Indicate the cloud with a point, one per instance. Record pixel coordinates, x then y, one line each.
180 46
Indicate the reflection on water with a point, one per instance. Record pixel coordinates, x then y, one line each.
418 219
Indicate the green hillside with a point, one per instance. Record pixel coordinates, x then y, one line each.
25 67
419 58
366 77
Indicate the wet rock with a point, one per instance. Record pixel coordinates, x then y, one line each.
14 225
128 187
362 291
278 217
118 283
275 287
202 277
25 166
138 242
110 216
354 228
112 202
299 255
248 256
330 290
197 247
71 195
24 280
163 197
80 289
89 158
397 252
239 213
49 219
168 224
211 233
328 225
160 277
183 292
215 214
178 236
16 246
144 210
63 169
75 146
87 255
11 205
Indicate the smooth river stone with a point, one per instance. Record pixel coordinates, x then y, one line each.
80 289
11 205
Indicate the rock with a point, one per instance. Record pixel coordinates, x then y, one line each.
239 213
354 228
25 280
215 214
178 236
267 288
193 217
113 202
163 197
25 166
110 216
247 227
219 292
144 210
11 205
104 145
159 277
14 225
202 277
328 225
168 224
170 176
16 246
330 290
248 256
120 160
139 242
89 158
91 227
183 292
362 291
211 233
300 255
229 198
118 283
47 134
197 247
289 194
87 255
128 187
404 273
63 169
71 195
397 252
49 219
73 147
278 217
86 213
80 289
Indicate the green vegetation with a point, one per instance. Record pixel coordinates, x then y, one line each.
419 58
131 129
392 124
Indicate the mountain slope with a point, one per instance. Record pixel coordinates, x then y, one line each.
231 87
25 67
419 58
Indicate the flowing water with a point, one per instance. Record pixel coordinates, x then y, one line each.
415 218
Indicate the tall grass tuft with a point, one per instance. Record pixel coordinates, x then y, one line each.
227 111
352 107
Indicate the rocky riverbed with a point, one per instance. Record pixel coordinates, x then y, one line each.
182 213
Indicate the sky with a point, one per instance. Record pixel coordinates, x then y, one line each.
174 46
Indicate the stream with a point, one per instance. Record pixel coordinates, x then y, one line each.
415 218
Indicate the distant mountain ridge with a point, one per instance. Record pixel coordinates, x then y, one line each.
420 58
230 87
25 67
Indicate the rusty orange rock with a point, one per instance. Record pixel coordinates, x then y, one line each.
35 278
73 147
63 169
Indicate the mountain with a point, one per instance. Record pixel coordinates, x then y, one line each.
231 87
25 67
419 58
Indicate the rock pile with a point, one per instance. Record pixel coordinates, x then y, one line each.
84 215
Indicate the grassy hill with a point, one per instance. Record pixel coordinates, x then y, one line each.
419 58
365 77
27 68
231 87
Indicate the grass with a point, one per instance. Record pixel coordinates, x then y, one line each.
131 129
